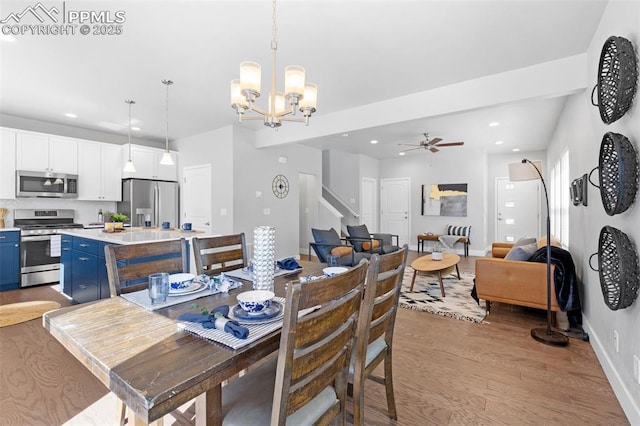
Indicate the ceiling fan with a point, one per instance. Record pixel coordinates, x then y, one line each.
430 144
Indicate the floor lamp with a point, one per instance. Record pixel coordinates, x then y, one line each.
528 170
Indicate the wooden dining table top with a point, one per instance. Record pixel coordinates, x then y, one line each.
148 362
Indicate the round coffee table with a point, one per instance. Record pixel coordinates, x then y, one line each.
426 264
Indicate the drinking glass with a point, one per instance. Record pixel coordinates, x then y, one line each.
333 260
158 288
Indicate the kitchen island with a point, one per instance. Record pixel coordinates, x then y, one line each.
83 274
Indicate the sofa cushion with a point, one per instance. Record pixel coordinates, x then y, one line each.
522 252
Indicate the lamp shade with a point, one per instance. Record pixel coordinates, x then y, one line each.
128 167
250 77
237 98
279 103
294 76
310 98
166 159
525 170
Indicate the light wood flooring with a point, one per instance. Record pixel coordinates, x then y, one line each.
446 371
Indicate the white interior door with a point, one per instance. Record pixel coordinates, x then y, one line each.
368 203
517 209
395 207
197 197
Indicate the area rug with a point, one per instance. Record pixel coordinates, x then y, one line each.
15 313
426 296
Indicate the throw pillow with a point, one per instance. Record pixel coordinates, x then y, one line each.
522 252
463 231
341 251
367 245
554 242
525 241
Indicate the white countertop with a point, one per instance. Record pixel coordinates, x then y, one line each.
132 235
9 229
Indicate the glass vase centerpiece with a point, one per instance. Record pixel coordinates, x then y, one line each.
264 257
436 254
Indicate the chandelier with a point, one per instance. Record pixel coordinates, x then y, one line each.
299 95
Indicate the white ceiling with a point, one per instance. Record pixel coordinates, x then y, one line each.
358 52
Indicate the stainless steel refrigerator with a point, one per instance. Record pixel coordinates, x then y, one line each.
153 200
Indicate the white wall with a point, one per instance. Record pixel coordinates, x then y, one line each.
215 148
254 170
447 166
580 130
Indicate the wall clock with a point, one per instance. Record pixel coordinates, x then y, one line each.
280 186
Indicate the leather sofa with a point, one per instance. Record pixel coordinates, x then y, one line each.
512 281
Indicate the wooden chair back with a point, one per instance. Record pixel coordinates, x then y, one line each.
315 349
214 255
377 321
129 265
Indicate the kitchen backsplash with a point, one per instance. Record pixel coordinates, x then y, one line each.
85 211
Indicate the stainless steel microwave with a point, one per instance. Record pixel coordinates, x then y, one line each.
44 184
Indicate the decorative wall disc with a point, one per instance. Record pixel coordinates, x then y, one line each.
280 186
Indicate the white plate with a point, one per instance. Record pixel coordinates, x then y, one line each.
194 287
334 270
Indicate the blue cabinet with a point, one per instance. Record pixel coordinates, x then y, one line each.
9 260
87 270
66 264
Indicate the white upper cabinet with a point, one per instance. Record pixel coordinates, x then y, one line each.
146 161
7 164
99 171
40 152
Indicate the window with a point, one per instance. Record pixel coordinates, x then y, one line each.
559 199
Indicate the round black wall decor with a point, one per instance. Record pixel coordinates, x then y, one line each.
617 79
618 268
618 173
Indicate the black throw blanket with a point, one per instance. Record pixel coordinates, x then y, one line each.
564 277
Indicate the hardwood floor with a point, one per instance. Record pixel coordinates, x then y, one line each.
446 371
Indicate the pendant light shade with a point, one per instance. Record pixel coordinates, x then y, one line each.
166 159
128 167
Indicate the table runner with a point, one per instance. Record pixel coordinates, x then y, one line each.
256 331
246 275
141 297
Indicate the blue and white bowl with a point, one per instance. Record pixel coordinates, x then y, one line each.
180 281
255 301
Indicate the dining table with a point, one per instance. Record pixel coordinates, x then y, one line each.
151 363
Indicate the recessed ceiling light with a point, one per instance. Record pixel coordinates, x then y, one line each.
515 149
401 153
373 141
137 129
345 135
499 142
70 115
494 124
8 38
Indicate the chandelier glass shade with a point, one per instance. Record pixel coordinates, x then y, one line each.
128 167
298 95
166 159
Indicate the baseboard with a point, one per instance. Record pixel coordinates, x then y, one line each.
629 406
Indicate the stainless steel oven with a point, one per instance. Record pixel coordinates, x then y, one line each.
40 243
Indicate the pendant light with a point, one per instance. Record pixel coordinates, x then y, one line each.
128 167
166 156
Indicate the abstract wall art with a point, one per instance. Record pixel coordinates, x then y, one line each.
444 200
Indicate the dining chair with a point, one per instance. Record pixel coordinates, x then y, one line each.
214 255
307 383
129 265
128 269
374 342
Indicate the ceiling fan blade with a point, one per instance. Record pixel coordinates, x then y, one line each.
434 141
434 149
408 144
411 149
451 144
